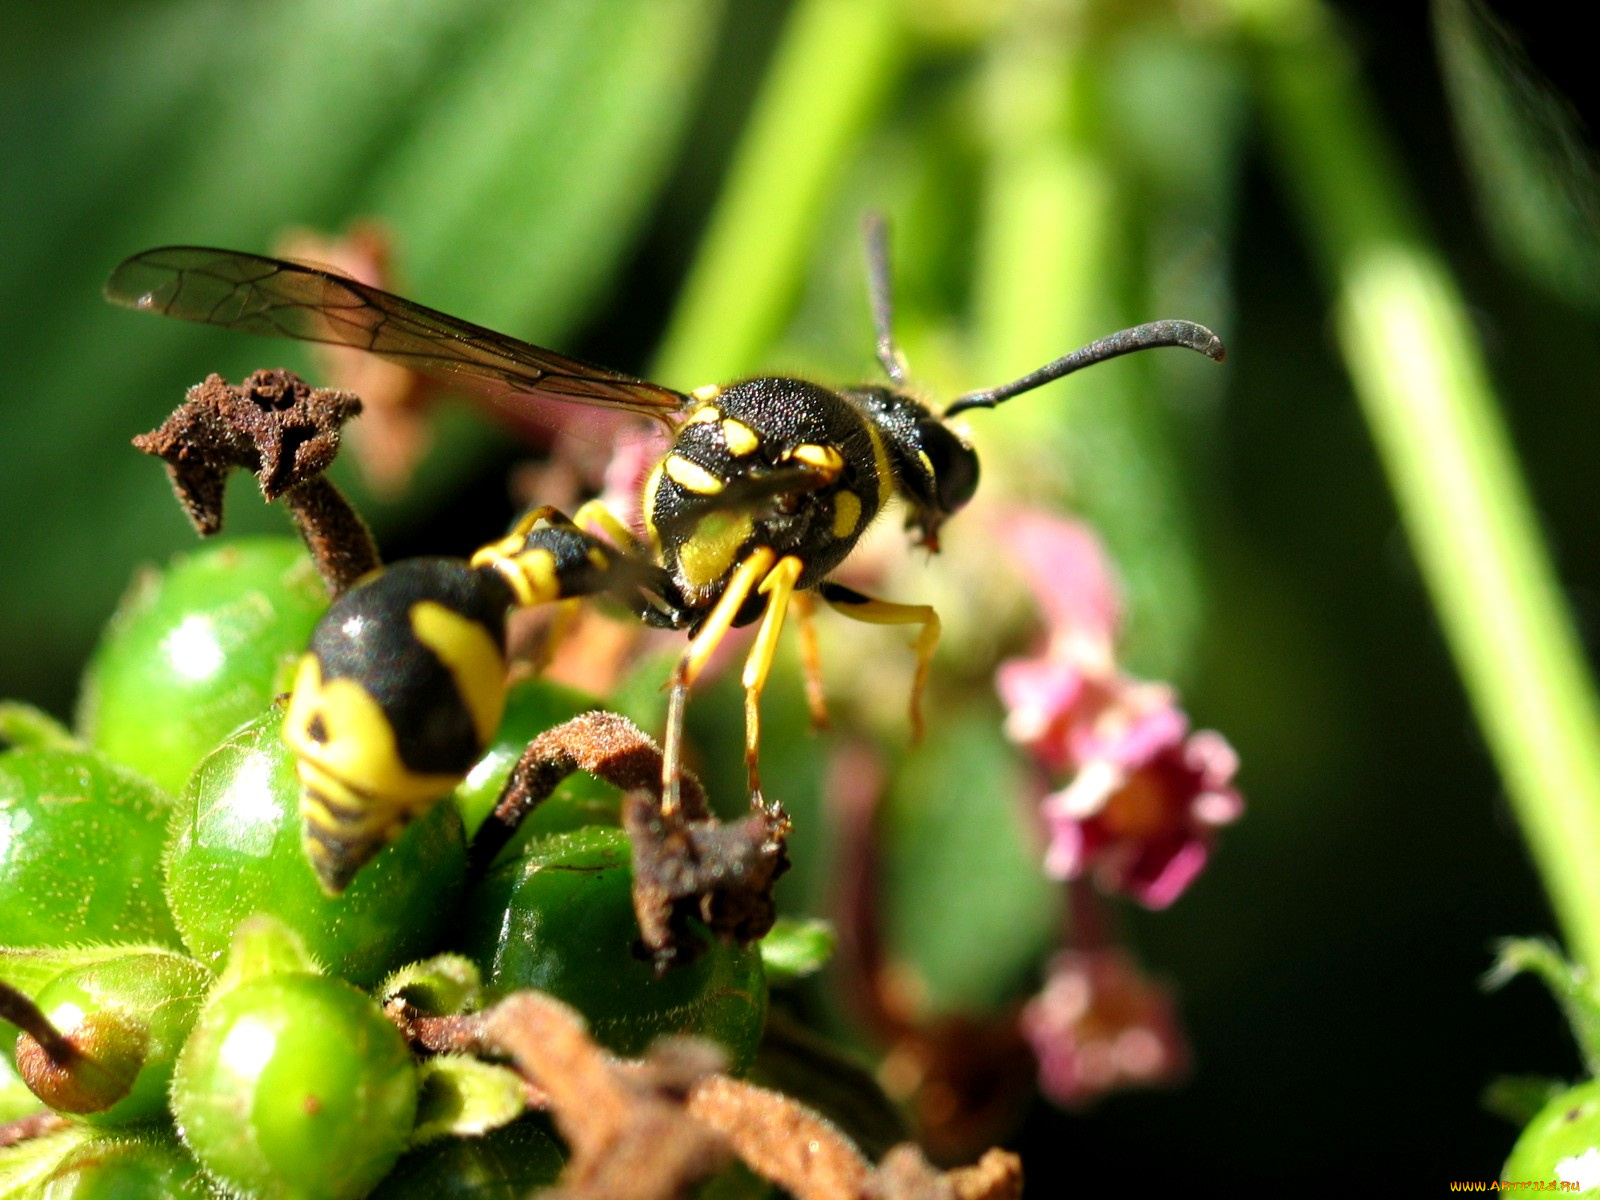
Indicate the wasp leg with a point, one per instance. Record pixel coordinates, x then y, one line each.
546 557
884 612
778 587
810 659
593 514
706 639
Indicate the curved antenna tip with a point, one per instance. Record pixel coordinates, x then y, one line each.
1208 344
1190 335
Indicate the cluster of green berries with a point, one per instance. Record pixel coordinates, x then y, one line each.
156 906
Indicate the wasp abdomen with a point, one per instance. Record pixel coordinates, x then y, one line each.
398 695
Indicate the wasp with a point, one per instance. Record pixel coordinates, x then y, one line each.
767 487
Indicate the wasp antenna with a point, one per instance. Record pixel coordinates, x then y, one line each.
1126 341
875 229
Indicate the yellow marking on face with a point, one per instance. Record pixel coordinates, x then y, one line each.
468 651
691 476
708 554
846 514
823 458
357 748
880 464
740 438
341 829
598 557
927 463
706 391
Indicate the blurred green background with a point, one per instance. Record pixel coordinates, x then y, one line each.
673 187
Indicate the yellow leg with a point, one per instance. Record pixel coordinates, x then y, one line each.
510 545
778 586
744 578
884 612
811 659
593 514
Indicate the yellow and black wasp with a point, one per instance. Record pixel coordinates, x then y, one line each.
767 487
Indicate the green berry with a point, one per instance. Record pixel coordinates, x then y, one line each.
80 851
533 706
236 851
150 1166
507 1164
197 649
1563 1141
560 919
295 1085
130 1017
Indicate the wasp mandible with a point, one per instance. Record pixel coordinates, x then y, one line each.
768 486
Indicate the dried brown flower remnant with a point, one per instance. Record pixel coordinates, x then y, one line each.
685 865
806 1155
718 873
286 433
652 1129
606 745
629 1132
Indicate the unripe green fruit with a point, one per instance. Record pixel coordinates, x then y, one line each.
195 650
131 1016
236 851
295 1086
80 851
151 1166
1562 1142
560 919
533 706
507 1164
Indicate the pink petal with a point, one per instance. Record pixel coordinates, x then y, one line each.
1066 568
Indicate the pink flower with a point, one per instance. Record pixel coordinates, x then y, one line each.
1146 795
1051 699
1143 822
1100 1025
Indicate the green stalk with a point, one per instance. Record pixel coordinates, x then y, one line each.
1424 388
1052 271
1045 241
836 61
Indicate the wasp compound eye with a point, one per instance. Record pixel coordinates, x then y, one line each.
955 465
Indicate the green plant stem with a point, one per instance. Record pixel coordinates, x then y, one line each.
836 61
1052 270
1044 251
1421 380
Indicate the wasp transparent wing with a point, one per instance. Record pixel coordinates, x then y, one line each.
270 296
